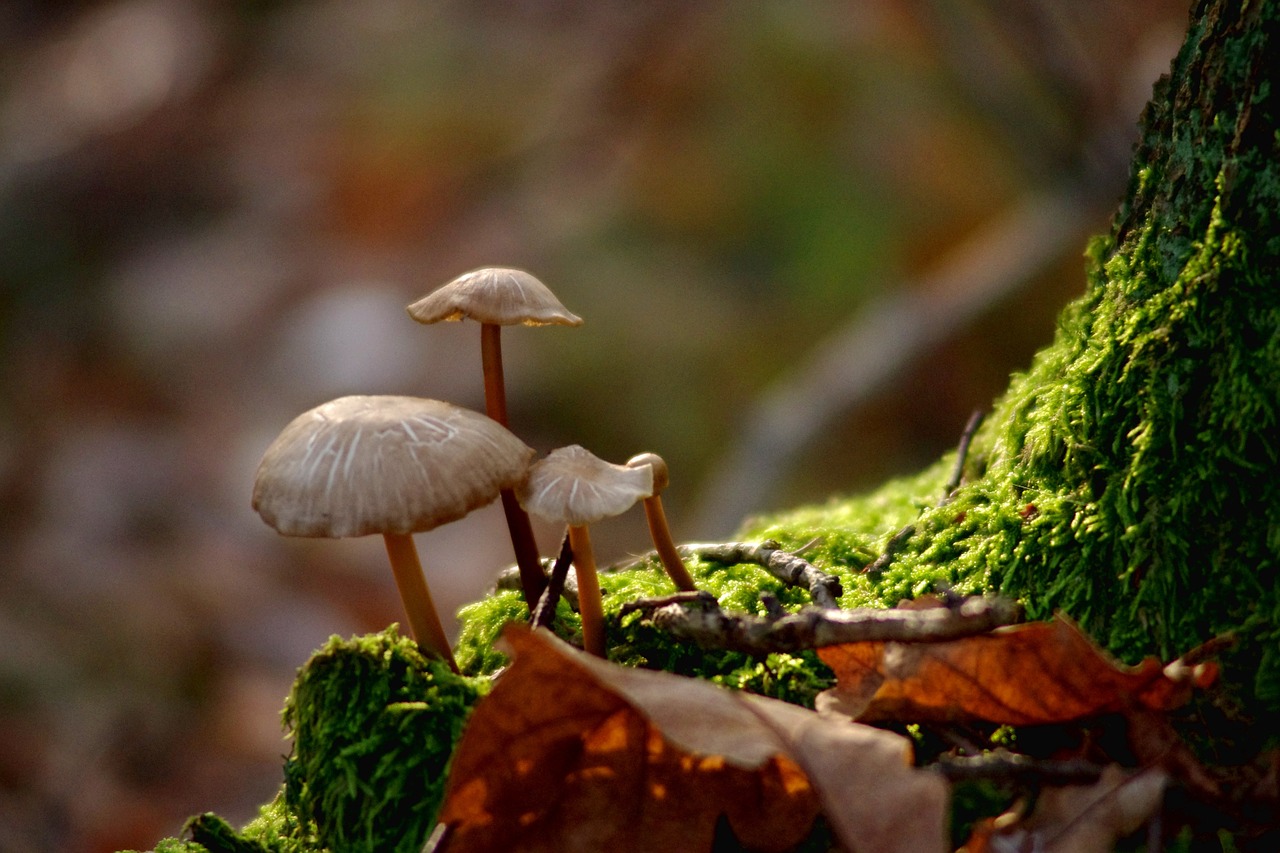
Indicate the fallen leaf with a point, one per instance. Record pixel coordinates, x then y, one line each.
1041 672
569 752
1078 818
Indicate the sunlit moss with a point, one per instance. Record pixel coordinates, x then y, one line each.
634 642
374 723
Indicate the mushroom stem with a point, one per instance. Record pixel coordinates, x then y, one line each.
589 604
532 579
664 545
495 389
657 518
424 622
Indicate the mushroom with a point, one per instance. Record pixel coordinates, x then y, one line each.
657 519
497 297
390 465
576 487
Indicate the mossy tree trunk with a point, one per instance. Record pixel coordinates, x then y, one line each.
1142 450
1131 477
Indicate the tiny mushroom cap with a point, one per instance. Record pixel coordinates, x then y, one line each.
574 486
657 518
661 476
500 296
390 465
577 487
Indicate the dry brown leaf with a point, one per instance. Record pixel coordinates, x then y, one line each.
570 752
1078 818
1042 672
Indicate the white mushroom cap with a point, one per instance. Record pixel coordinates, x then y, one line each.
497 295
577 487
381 464
661 474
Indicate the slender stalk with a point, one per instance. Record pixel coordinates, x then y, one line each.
545 613
424 622
664 545
495 389
589 604
532 579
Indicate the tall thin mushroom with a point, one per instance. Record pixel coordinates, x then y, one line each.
656 516
574 486
497 297
395 466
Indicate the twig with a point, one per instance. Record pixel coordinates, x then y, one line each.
509 579
773 609
962 452
1003 766
824 589
545 613
815 627
648 605
879 564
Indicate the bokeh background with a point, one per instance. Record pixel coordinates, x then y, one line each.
808 240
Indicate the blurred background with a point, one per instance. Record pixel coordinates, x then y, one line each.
807 239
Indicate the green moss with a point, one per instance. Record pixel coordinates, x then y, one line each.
278 829
213 834
632 642
175 845
374 723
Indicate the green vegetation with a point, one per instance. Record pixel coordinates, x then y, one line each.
634 642
374 722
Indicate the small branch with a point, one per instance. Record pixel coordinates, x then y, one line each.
773 609
882 562
962 453
545 613
824 589
879 564
815 627
509 579
648 605
1003 766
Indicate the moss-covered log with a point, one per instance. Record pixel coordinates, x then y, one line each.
1132 476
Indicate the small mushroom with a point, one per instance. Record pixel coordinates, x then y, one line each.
576 487
657 519
390 465
497 297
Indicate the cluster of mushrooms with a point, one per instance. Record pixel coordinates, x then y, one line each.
395 466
